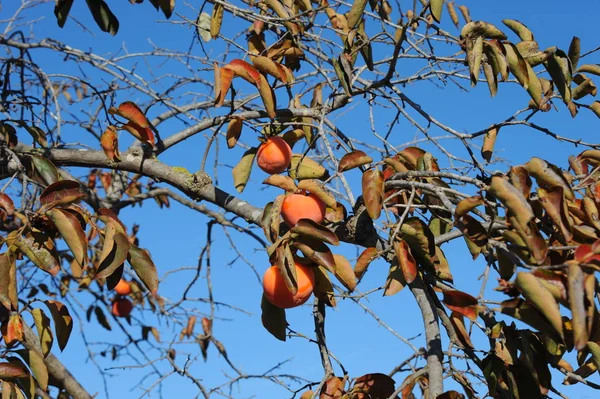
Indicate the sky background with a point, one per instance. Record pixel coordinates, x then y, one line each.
176 236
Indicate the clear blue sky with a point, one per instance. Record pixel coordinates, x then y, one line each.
176 236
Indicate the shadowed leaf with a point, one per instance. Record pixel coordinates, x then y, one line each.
63 323
143 267
273 319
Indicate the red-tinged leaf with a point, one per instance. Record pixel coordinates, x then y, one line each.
223 78
144 268
206 325
8 281
309 228
364 260
344 272
323 288
375 385
284 182
234 131
63 192
11 371
130 111
39 249
575 279
316 251
106 215
461 331
395 280
110 144
461 303
143 134
7 204
273 319
244 70
44 331
421 241
12 330
539 296
114 251
406 261
353 160
63 323
36 363
71 231
467 205
372 191
332 389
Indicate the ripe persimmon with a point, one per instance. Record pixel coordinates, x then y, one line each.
277 292
123 287
302 206
274 156
121 307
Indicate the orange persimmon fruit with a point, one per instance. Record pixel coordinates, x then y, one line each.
277 292
121 307
274 156
123 287
302 206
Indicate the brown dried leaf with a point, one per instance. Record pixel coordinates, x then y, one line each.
353 160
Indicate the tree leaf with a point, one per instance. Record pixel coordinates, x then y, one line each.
241 172
462 303
223 79
309 228
38 135
539 296
63 323
575 279
71 231
37 365
436 7
332 389
61 11
323 288
406 261
372 191
143 134
316 251
519 28
375 385
101 318
395 280
364 260
456 319
216 20
489 140
143 267
284 259
344 272
302 167
10 371
353 160
266 65
110 144
8 281
273 319
104 18
474 47
36 248
281 181
42 324
574 51
548 175
555 205
114 252
316 187
234 131
62 192
12 330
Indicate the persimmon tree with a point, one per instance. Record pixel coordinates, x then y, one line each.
270 80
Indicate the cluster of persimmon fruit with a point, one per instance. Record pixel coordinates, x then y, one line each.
274 156
121 306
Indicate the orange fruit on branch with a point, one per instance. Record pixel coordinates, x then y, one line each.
123 287
274 156
277 292
121 307
302 206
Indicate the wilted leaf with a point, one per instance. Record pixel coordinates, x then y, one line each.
41 170
143 267
353 160
519 28
323 288
114 251
8 281
62 192
372 191
223 78
332 389
273 319
234 130
489 140
37 365
467 205
548 175
9 134
574 52
110 144
71 231
316 188
10 371
216 20
395 280
316 251
309 228
241 172
37 250
461 331
462 303
575 278
406 261
364 260
12 330
375 385
38 135
281 181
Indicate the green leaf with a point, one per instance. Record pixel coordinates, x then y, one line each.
241 172
106 20
63 322
436 7
41 170
61 11
302 167
273 319
42 324
144 268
